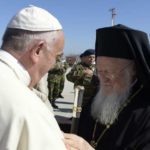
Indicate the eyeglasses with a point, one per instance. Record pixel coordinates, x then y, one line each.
113 75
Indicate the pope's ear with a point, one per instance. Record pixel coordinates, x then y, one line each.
36 50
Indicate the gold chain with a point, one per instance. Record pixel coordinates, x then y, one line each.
93 142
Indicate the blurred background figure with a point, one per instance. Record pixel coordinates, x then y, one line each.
65 66
83 74
56 79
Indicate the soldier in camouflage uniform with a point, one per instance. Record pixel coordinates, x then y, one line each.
65 65
83 74
56 78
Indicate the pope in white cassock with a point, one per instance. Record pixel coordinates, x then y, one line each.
31 43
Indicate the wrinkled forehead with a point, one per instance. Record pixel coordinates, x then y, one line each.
104 62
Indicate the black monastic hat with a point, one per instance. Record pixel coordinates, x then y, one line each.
120 41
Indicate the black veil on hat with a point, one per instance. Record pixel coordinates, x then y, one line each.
120 41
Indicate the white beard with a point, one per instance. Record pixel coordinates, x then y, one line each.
106 108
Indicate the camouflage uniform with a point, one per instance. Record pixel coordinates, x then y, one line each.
62 80
56 81
77 76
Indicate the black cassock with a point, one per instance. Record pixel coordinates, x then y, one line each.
131 130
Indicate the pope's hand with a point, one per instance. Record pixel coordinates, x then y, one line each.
74 142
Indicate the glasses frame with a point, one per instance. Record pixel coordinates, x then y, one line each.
113 75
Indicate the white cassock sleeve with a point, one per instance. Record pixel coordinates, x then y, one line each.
25 122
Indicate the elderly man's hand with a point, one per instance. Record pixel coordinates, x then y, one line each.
74 142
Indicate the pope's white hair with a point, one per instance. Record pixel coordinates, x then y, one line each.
19 39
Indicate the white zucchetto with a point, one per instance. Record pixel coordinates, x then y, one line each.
34 18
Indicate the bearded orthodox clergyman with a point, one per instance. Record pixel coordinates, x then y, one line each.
118 118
